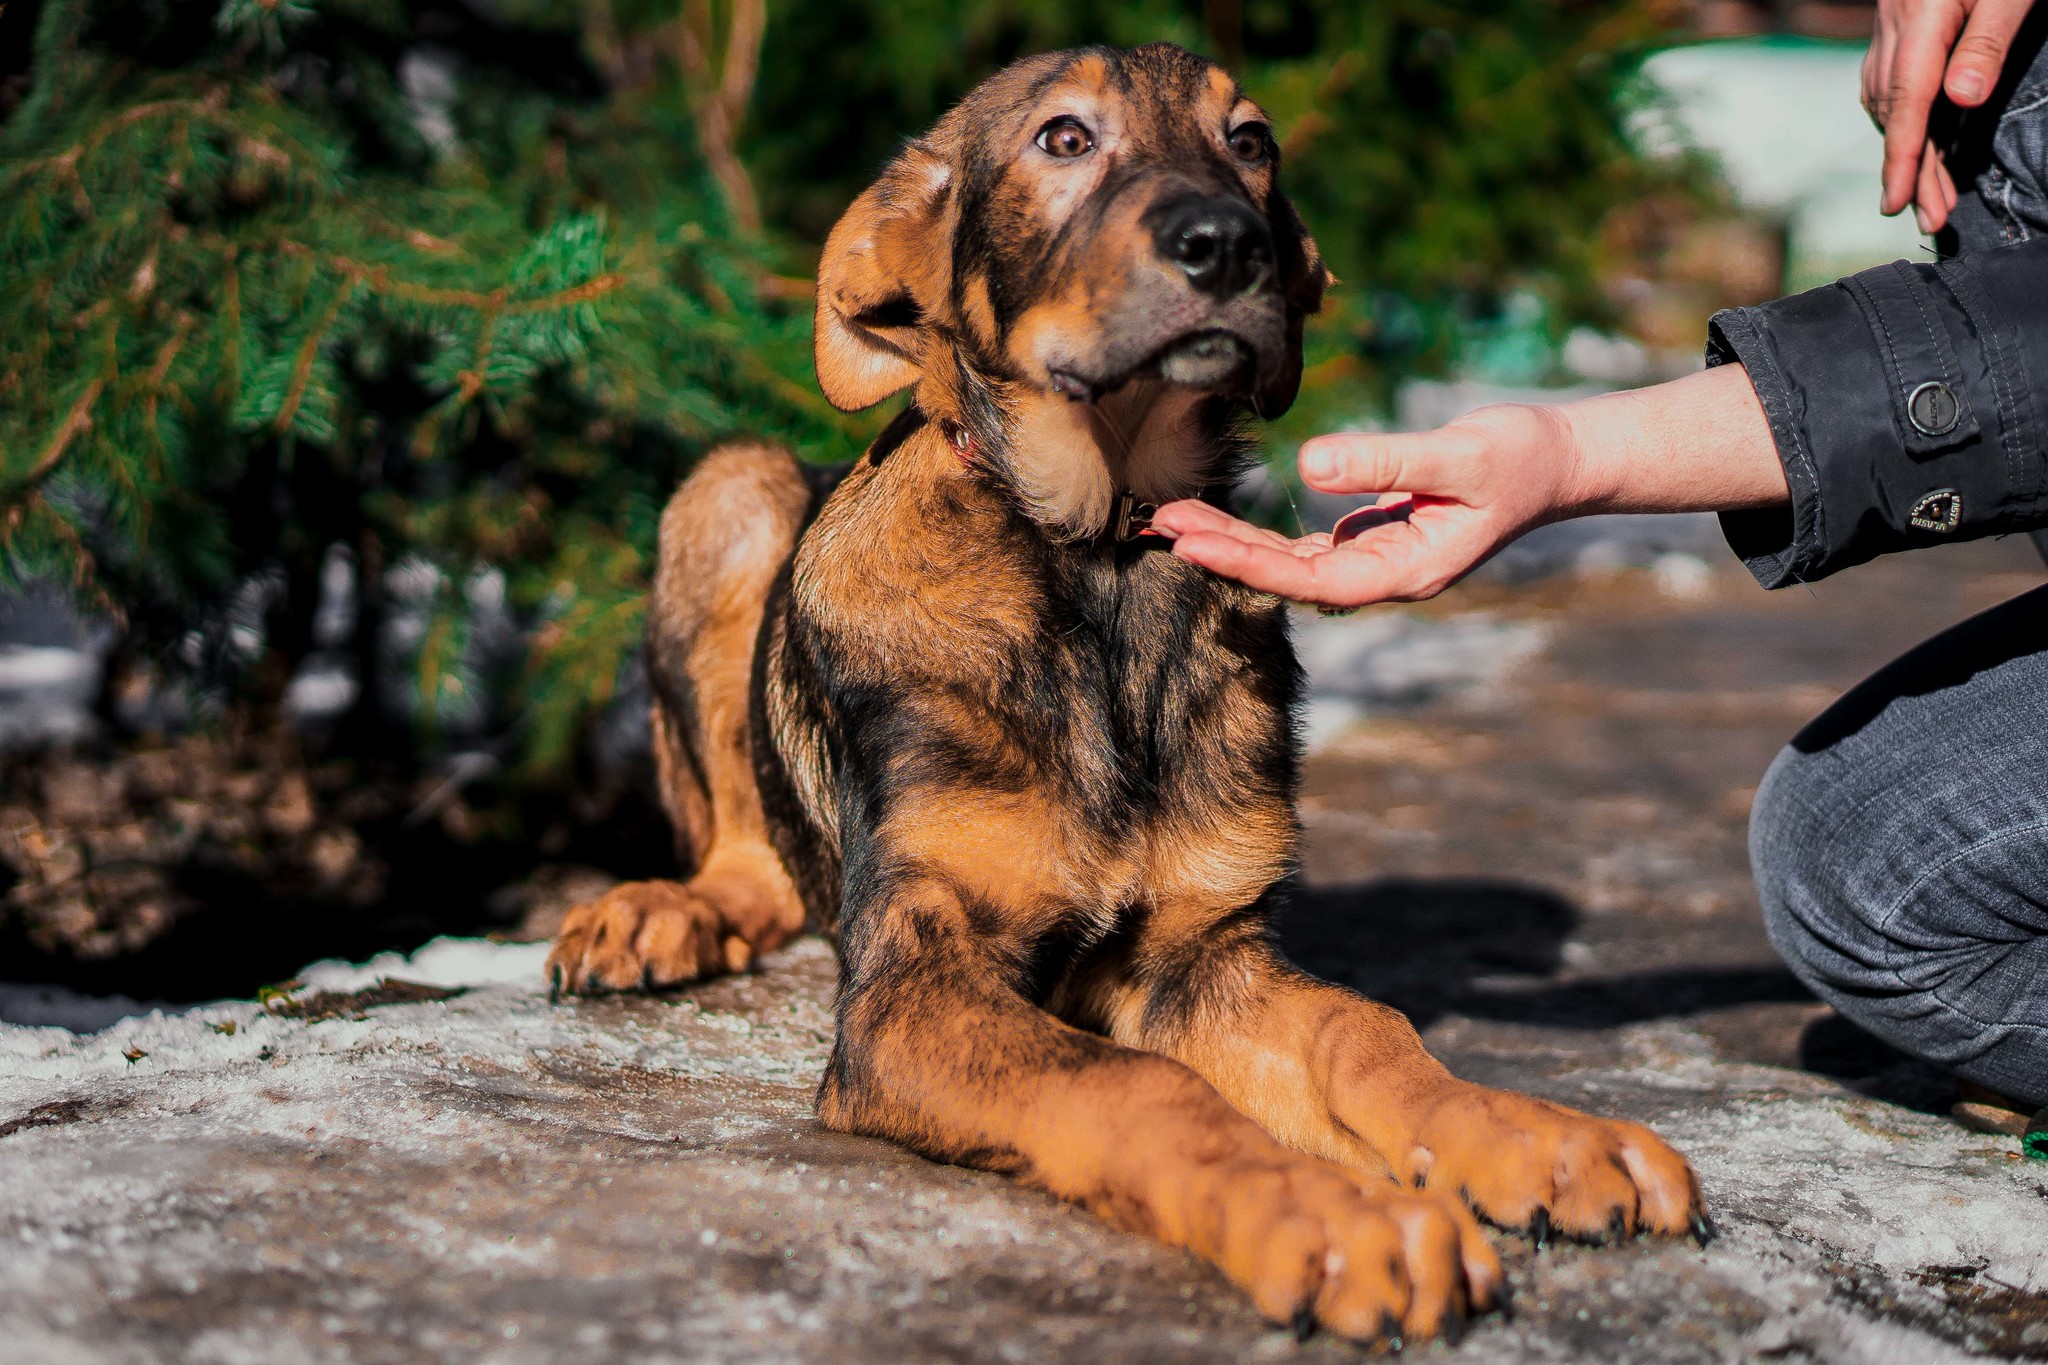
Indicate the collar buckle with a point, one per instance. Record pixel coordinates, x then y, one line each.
1132 518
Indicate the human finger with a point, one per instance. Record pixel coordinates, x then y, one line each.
1979 55
1375 461
1396 563
1930 205
1877 66
1192 515
1908 95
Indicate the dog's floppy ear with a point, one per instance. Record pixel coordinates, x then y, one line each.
881 280
1303 278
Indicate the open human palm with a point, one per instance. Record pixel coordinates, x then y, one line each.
1448 499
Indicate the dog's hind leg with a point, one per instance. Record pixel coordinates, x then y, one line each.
725 537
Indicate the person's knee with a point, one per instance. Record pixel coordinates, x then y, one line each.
1813 914
1929 937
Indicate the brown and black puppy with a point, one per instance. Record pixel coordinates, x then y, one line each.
1038 777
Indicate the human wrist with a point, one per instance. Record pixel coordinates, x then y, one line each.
1592 478
1700 443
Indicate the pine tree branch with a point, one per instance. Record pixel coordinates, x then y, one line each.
1630 24
569 297
159 375
309 351
78 420
84 565
1315 123
66 161
380 281
231 330
472 379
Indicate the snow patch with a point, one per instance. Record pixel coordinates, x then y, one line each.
1385 660
450 963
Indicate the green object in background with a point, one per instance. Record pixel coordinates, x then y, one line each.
2035 1143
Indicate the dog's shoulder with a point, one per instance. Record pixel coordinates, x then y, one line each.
914 572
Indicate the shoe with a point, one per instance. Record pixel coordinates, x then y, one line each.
1987 1111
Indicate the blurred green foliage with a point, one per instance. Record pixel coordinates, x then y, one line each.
462 288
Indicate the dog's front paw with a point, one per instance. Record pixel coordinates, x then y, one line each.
1529 1164
642 936
1315 1245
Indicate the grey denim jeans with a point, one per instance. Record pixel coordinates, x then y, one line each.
1901 851
1900 842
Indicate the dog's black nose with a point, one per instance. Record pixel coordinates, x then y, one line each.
1224 247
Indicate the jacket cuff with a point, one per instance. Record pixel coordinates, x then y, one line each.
1900 407
1778 545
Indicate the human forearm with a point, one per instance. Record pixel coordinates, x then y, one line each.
1696 444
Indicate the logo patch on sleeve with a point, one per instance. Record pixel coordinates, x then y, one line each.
1941 510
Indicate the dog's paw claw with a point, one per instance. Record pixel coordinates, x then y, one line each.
1703 1230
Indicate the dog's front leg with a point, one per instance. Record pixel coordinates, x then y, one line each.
1331 1072
938 1051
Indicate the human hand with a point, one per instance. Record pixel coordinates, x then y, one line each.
1923 48
1467 489
1698 443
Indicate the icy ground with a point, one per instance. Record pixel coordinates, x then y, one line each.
490 1177
1542 864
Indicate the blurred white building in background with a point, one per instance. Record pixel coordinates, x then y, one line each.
1784 119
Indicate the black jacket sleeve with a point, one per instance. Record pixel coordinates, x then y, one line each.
1904 406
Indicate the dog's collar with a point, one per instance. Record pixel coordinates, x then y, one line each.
1130 518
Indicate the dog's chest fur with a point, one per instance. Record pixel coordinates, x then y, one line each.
1055 729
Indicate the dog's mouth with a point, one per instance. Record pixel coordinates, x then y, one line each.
1211 361
1214 361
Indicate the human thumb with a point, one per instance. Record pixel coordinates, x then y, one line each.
1374 462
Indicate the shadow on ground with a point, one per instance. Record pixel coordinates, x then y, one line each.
1481 949
1495 951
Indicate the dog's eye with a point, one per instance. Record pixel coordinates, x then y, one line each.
1251 143
1066 137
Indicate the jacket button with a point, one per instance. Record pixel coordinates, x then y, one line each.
1933 409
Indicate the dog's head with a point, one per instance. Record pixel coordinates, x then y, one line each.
1096 231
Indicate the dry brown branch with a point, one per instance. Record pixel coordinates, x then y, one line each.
719 79
742 58
789 288
628 61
